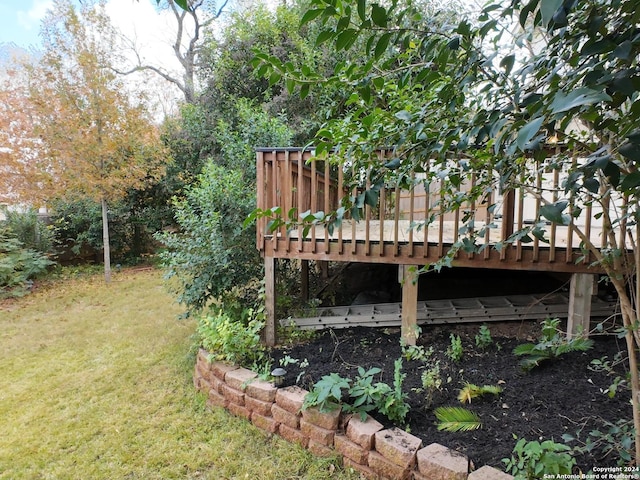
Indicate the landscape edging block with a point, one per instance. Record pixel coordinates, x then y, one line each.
258 406
350 450
388 469
441 463
397 446
240 378
233 395
283 416
293 435
291 398
319 434
363 432
489 473
268 424
261 390
329 419
220 369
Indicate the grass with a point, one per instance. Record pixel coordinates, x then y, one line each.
96 383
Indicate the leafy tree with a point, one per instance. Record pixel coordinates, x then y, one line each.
86 135
212 255
496 91
193 21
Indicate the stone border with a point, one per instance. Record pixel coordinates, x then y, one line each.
365 446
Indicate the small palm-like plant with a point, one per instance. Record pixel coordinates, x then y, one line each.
552 345
471 391
457 419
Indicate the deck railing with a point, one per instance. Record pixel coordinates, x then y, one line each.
406 226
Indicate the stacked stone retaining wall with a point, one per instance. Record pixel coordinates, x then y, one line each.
365 445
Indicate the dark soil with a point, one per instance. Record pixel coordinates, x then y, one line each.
560 397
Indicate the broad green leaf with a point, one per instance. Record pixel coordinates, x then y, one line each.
310 15
548 8
346 38
381 46
393 164
403 115
183 4
553 212
529 131
630 182
507 63
371 197
631 151
592 185
323 36
274 78
362 9
304 91
577 98
379 15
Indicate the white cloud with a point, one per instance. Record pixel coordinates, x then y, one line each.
30 19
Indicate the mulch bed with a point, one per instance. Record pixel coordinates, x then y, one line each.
560 397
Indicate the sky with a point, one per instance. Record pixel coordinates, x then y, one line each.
20 19
139 21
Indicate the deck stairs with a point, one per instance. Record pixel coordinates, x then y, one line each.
450 311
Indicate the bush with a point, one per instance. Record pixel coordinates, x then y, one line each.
231 340
212 253
18 265
29 230
77 226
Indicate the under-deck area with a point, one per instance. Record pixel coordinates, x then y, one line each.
406 228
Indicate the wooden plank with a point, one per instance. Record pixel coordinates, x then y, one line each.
314 196
381 216
269 333
340 196
260 198
579 312
327 204
396 231
287 187
301 196
409 328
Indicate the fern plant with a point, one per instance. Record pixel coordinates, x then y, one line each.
471 391
457 419
551 345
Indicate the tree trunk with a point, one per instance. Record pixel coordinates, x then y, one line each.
105 242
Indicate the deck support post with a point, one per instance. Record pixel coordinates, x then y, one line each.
408 276
304 280
269 332
580 292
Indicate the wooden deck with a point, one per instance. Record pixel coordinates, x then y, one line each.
407 228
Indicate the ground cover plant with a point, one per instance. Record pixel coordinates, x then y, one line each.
96 383
485 404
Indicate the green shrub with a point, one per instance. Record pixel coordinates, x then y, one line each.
27 228
455 350
212 253
18 265
530 460
552 344
232 340
365 396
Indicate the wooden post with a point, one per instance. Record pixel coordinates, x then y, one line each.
269 334
409 280
304 279
580 292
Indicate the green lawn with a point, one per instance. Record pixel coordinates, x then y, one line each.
95 383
